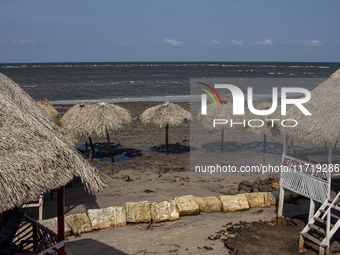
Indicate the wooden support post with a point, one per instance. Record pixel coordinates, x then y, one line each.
40 209
281 201
166 139
264 142
109 144
291 145
335 145
311 209
282 192
284 150
328 222
35 237
301 244
61 215
91 147
222 139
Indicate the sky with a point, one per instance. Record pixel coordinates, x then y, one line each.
34 31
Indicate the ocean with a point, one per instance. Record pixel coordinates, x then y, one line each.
71 82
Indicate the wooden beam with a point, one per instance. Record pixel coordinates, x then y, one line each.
61 215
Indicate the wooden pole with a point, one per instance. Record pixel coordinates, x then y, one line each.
166 139
61 215
291 145
40 209
109 144
91 147
282 191
264 142
222 139
328 222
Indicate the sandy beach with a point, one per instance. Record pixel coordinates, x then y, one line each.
142 172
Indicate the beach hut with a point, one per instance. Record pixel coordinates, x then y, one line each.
52 111
95 120
34 160
19 96
164 115
322 126
223 112
260 125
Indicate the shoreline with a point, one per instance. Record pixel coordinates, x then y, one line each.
181 98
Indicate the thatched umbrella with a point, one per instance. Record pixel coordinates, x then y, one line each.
52 111
19 96
323 125
34 159
224 111
164 115
269 127
95 120
336 74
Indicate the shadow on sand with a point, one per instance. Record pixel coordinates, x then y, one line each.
90 246
101 152
74 196
173 148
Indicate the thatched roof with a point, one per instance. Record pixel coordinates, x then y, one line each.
19 96
34 159
163 114
323 125
93 119
52 111
269 127
336 74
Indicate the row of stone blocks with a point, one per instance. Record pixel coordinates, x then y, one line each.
144 212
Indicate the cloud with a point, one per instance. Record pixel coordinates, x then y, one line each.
214 43
19 42
237 43
172 43
266 42
311 43
125 43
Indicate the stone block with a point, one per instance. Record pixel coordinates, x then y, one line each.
234 203
137 212
209 204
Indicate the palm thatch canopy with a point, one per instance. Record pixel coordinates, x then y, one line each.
94 119
165 114
336 74
19 96
52 111
269 127
34 159
324 123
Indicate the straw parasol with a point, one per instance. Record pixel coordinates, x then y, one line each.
34 159
224 111
323 125
19 96
269 127
52 111
336 74
95 120
164 115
